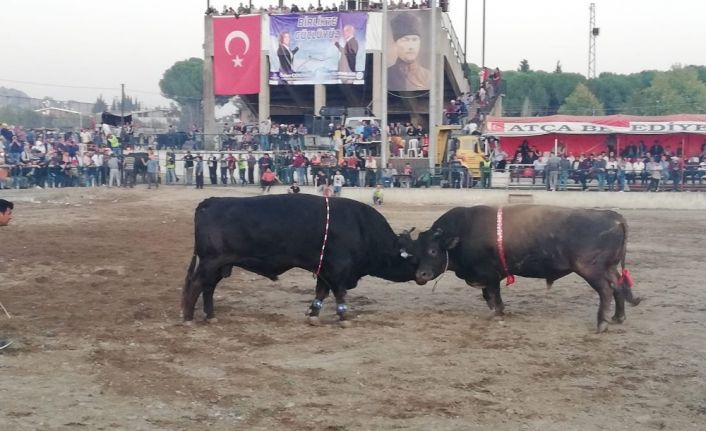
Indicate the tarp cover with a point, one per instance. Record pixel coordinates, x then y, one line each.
115 120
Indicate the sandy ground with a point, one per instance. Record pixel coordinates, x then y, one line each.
92 279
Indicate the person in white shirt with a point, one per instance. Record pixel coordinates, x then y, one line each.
338 181
638 169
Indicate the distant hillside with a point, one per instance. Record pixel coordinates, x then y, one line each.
15 98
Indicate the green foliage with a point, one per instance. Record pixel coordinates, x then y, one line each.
100 105
650 92
524 66
183 82
581 102
677 91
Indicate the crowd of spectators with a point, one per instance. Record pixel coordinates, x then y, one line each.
244 9
654 168
51 158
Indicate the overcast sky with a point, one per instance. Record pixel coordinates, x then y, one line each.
78 49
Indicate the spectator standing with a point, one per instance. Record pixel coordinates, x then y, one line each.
189 167
564 168
153 172
456 168
198 170
299 166
486 169
552 167
599 170
213 169
338 181
242 169
251 161
114 169
231 162
129 170
223 164
371 169
171 168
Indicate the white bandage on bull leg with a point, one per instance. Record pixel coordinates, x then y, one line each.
341 309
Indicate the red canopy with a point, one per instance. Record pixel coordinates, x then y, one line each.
683 133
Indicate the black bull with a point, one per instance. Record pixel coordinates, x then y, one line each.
539 242
269 235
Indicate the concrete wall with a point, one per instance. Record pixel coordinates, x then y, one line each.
468 197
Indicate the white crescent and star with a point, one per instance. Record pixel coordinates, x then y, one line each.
237 34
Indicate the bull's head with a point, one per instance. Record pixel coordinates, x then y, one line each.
407 244
433 260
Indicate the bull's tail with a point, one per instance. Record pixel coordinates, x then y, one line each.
625 281
186 290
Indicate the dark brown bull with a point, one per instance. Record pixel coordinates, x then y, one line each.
538 242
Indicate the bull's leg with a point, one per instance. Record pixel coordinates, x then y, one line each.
210 286
619 316
322 291
191 294
602 286
494 298
341 307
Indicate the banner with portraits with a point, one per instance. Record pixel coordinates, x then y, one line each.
321 48
408 50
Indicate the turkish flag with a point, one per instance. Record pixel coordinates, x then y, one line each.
236 55
497 126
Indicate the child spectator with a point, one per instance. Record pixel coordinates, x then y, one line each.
377 195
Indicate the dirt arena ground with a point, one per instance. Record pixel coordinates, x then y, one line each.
92 279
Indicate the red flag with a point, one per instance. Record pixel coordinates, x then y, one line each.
497 126
236 55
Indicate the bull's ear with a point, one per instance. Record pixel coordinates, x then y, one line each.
404 254
450 243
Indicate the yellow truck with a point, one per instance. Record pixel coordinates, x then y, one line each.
469 149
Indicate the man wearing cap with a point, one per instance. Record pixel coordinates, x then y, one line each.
407 74
6 208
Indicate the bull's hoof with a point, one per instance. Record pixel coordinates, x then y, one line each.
618 319
313 320
602 327
212 320
345 323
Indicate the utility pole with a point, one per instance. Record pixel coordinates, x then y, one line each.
434 91
465 31
122 105
482 62
384 147
593 33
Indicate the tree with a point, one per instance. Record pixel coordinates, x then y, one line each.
524 66
100 105
557 69
677 91
581 102
183 83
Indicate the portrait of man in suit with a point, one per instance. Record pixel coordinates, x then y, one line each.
349 50
285 54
